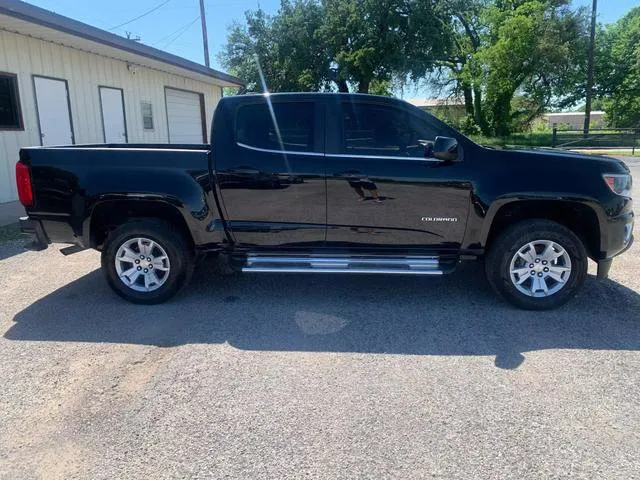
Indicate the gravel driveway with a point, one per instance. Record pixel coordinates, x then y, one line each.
314 377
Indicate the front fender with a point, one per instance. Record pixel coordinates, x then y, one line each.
521 198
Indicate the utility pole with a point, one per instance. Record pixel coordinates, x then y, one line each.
205 41
592 44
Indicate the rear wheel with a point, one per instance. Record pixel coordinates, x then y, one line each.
537 264
147 262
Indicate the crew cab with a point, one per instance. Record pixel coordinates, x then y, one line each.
331 183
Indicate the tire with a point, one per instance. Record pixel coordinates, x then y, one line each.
531 237
170 254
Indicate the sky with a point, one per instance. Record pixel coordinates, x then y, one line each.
173 26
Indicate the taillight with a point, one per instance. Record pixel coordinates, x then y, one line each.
23 181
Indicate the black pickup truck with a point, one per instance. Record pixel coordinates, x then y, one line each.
331 183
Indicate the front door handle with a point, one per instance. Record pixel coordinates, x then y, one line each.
351 174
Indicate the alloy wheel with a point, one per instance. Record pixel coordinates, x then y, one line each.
142 264
540 268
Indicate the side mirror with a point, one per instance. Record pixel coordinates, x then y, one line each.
445 148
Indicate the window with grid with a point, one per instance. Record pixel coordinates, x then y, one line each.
147 115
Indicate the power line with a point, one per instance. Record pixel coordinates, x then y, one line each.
140 16
182 30
181 33
186 25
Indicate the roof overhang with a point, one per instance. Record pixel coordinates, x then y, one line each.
25 19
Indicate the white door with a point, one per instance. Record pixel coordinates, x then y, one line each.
184 115
52 102
113 122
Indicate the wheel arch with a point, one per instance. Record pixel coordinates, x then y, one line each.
578 216
109 214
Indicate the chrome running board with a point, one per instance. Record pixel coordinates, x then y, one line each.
409 265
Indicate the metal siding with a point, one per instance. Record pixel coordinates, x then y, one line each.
84 72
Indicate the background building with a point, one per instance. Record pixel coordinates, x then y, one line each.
574 120
65 82
448 109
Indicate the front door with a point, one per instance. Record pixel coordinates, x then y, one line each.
381 190
54 115
271 173
113 120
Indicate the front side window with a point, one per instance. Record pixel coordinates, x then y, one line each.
382 130
255 126
10 115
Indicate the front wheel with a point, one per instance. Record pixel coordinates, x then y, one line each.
537 264
145 261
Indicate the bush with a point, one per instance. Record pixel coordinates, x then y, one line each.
466 125
540 125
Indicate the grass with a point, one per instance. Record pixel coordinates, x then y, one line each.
620 152
546 139
10 232
521 139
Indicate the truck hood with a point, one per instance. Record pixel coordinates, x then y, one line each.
552 157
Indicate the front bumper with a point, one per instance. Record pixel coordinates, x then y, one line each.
617 235
619 238
605 265
36 230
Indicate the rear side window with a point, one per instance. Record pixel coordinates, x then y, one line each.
382 130
255 126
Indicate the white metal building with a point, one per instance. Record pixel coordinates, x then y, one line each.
65 82
574 120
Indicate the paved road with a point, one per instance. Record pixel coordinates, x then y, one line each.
314 377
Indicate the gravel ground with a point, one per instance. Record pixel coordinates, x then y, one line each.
314 377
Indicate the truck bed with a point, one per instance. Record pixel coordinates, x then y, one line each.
74 186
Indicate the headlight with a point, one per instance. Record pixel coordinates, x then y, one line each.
619 184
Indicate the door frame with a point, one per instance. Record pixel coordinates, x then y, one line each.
203 115
124 113
35 97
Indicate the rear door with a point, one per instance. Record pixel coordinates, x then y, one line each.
271 172
381 190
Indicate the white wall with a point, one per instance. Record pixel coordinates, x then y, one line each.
84 72
575 119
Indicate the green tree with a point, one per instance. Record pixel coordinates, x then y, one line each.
309 45
514 58
285 47
372 40
465 29
618 70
